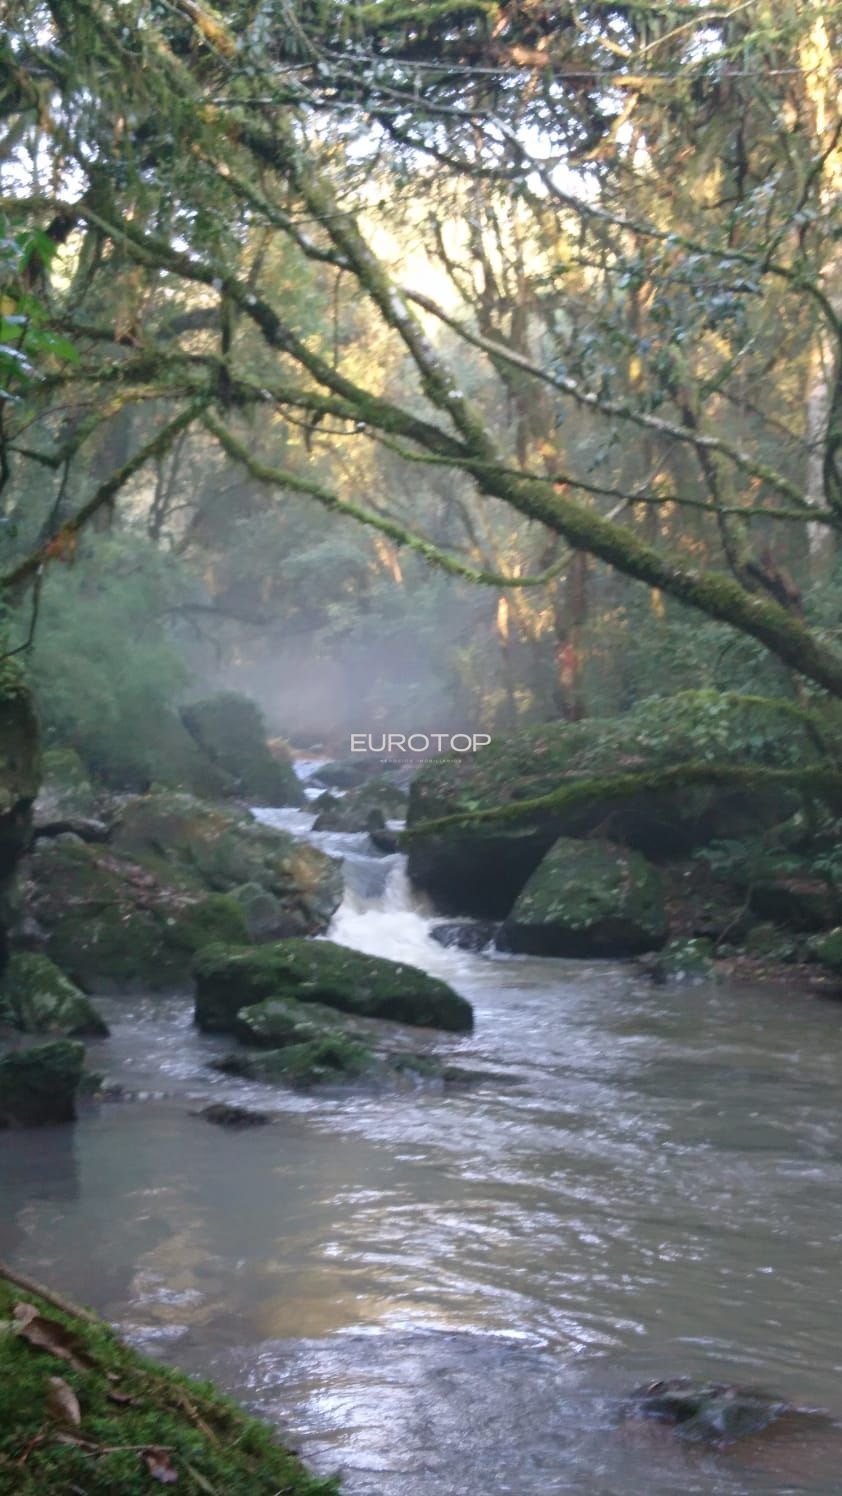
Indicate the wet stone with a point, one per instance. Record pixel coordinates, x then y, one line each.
708 1412
224 1115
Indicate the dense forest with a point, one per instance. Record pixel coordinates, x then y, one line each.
365 369
548 302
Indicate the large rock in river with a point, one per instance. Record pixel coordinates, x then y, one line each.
588 898
480 870
37 998
114 922
230 730
226 850
717 1413
134 913
38 1084
318 971
371 804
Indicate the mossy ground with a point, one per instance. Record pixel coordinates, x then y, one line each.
128 1407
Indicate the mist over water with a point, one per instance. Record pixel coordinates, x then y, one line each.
387 674
449 1294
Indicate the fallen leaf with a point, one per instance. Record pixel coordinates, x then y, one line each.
48 1335
160 1466
62 1402
123 1398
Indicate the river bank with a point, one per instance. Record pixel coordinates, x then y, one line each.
81 1411
447 1290
452 1293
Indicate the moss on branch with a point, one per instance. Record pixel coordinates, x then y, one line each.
814 783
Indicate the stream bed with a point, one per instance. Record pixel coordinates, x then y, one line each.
448 1294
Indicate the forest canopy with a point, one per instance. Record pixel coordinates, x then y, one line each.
517 324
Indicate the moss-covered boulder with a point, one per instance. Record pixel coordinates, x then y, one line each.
278 1021
688 961
348 773
480 870
66 791
372 804
466 934
263 913
83 1412
223 849
330 1057
827 950
112 922
231 732
317 971
37 998
20 772
336 1058
38 1085
588 898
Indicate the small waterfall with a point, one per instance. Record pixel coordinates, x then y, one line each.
380 914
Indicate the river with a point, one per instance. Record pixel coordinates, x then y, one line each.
448 1294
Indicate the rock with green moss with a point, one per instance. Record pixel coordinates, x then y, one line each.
330 1057
373 803
206 922
230 730
174 760
334 1058
263 913
318 971
277 1021
20 773
141 1426
112 922
827 950
66 791
40 999
689 960
223 849
480 870
39 1084
588 898
348 773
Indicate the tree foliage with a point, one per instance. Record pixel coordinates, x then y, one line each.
574 273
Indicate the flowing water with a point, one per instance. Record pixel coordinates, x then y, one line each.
448 1294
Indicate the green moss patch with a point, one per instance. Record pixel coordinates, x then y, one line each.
588 898
331 1057
82 1412
479 868
37 998
113 922
318 971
